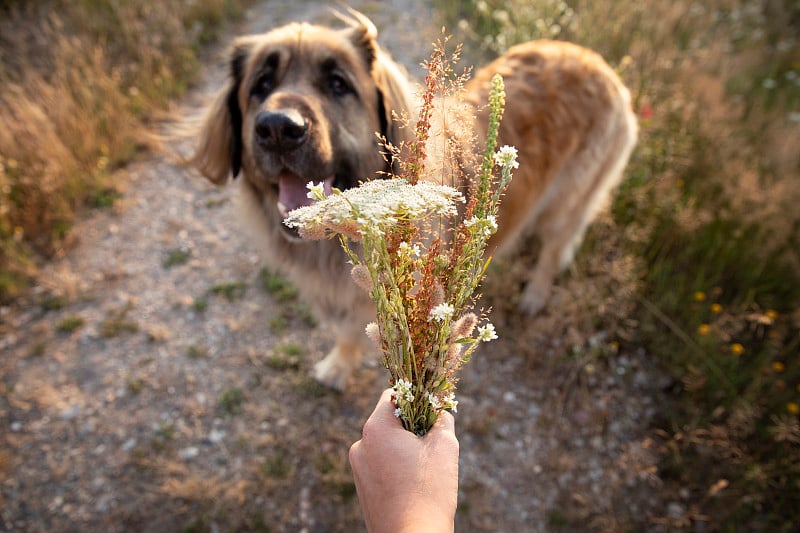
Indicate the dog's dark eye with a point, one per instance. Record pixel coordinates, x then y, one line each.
264 85
338 85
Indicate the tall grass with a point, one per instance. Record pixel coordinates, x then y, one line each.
78 81
709 212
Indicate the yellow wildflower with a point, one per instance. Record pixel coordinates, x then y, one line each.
778 367
737 349
793 408
716 309
771 314
703 329
699 296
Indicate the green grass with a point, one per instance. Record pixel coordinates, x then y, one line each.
103 198
231 401
177 257
308 387
230 290
199 305
52 302
38 349
286 357
708 213
286 294
116 323
278 286
70 324
276 465
135 385
278 323
197 351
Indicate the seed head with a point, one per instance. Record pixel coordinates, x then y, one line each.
360 275
462 328
373 333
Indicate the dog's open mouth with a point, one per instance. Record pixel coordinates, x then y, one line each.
293 191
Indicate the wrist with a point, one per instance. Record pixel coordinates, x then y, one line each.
429 516
427 525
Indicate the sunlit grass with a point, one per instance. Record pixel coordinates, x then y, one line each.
708 212
78 83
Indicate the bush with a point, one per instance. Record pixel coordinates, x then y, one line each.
76 90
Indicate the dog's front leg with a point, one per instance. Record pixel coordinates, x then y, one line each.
335 369
540 282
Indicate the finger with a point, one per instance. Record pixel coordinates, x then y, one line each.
382 417
446 423
384 409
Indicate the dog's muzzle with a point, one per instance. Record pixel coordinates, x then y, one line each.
280 132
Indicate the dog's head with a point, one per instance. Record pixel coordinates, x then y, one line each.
303 103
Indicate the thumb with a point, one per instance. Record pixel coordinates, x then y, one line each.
382 418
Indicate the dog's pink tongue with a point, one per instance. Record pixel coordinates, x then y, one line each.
293 191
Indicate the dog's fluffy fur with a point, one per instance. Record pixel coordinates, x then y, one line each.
303 103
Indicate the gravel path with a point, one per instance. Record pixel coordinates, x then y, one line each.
159 378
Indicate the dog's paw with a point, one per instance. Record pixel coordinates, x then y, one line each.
332 372
533 300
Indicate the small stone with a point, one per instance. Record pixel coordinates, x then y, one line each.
216 436
70 412
189 453
676 511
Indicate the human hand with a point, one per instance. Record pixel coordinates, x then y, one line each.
406 483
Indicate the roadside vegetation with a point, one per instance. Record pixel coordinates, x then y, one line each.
708 212
78 82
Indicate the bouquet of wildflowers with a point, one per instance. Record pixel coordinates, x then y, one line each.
419 260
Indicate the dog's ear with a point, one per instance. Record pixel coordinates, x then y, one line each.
219 151
394 98
362 32
391 81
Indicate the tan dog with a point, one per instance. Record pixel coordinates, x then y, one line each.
303 103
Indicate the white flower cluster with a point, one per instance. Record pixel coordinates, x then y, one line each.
486 333
506 156
450 402
441 312
447 402
402 395
487 225
435 402
402 390
373 205
315 192
409 249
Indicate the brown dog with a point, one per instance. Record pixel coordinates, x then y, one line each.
303 103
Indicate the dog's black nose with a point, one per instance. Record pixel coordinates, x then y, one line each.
285 129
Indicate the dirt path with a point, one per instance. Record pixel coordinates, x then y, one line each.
160 380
